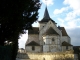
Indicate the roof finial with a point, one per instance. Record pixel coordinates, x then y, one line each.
46 2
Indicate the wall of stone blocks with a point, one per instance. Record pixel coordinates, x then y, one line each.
66 38
29 49
52 56
68 55
33 37
69 48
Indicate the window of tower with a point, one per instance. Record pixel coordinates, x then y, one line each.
33 47
52 39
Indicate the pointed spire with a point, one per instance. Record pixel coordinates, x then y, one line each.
46 17
46 14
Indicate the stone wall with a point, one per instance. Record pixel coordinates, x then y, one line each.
66 38
51 56
69 48
29 49
68 55
45 27
33 37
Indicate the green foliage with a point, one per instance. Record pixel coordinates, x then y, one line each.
16 16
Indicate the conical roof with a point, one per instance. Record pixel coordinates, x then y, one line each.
46 16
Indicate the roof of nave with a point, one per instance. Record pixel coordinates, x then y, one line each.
46 17
50 31
66 44
33 43
34 30
64 33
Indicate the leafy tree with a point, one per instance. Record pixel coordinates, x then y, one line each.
16 16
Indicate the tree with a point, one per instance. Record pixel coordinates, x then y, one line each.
16 16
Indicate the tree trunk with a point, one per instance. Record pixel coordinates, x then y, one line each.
14 50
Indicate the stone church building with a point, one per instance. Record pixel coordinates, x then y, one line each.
47 42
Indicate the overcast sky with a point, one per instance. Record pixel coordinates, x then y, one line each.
66 13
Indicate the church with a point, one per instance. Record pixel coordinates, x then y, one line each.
47 42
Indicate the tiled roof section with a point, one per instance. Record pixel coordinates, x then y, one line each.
66 44
76 49
32 43
50 31
64 33
34 30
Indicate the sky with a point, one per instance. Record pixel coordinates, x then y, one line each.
66 13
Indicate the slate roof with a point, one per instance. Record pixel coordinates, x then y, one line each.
50 31
34 30
32 43
46 17
64 33
66 44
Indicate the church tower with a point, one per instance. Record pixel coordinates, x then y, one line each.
48 33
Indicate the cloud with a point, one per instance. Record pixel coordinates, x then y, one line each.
59 11
75 36
48 2
70 24
72 12
72 29
71 21
74 4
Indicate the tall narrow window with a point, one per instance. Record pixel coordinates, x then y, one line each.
66 47
33 47
52 39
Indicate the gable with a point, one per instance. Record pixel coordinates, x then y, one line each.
48 25
50 31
